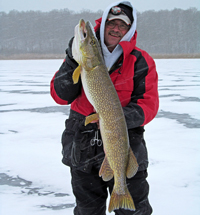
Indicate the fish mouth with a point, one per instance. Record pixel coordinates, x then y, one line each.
86 30
82 30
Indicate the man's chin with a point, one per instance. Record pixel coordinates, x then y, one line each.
114 40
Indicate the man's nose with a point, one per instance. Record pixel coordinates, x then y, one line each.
116 28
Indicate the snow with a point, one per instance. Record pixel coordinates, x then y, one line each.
34 181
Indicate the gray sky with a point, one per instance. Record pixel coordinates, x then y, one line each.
93 5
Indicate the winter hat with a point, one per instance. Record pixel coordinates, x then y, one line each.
122 12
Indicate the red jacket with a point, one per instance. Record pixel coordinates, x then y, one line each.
134 77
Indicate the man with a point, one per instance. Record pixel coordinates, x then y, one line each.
134 76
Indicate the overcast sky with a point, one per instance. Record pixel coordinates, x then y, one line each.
93 5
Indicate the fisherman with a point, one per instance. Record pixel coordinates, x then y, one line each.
133 73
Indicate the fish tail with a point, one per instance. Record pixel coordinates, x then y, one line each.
124 201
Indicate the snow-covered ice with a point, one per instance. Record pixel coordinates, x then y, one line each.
34 181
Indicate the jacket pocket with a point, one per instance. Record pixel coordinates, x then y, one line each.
71 125
83 152
124 93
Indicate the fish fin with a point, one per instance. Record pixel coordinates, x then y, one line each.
105 171
90 118
76 74
124 201
132 166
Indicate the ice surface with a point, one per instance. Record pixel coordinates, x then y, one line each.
34 181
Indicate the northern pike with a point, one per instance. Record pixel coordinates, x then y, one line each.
119 161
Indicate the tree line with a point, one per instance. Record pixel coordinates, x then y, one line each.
159 32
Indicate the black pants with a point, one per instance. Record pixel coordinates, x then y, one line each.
91 193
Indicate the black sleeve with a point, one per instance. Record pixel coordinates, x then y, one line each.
63 83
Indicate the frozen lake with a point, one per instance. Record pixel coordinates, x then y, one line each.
34 181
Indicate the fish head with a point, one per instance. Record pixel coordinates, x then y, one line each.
88 46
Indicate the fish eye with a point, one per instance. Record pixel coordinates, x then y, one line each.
92 42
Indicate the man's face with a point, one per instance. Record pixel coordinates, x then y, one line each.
114 31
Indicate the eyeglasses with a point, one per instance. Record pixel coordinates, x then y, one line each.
122 27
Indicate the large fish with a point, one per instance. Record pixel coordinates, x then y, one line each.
119 160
